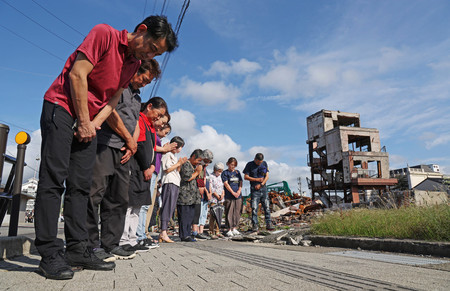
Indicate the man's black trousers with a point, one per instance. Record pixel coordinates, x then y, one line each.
63 160
109 191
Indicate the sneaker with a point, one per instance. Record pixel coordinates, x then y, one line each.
104 256
55 267
236 232
269 226
149 243
201 236
120 253
80 255
138 248
214 237
230 233
189 239
255 228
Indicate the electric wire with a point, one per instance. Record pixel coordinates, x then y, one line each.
167 6
145 7
154 6
15 125
32 43
68 25
37 23
156 85
162 9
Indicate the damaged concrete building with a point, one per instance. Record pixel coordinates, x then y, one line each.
344 157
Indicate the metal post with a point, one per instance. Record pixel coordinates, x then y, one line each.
17 190
4 130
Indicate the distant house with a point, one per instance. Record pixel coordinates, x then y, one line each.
418 174
29 189
426 182
431 191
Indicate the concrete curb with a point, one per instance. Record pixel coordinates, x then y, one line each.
14 246
440 249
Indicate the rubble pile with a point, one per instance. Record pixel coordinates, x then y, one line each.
287 211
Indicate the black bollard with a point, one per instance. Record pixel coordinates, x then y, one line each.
22 139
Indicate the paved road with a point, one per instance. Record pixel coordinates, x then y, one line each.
227 265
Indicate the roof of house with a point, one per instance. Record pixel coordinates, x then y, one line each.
432 184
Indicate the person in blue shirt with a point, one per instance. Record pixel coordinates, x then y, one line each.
257 172
232 182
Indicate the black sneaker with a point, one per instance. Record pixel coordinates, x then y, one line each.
269 226
189 239
82 256
138 248
120 253
104 256
55 267
149 243
201 236
255 228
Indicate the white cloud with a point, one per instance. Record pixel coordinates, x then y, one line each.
210 93
224 147
241 67
284 172
441 139
183 123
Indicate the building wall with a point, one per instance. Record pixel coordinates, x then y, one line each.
426 198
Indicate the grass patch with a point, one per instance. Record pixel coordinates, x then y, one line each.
420 223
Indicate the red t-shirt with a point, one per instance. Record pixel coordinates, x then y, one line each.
143 120
106 48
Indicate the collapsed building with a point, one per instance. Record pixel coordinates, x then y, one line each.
345 158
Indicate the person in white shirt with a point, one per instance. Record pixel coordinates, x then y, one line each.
218 197
170 180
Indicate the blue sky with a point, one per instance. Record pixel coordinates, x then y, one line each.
248 73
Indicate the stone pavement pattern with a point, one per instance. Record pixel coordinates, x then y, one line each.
226 265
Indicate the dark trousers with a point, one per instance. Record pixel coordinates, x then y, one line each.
197 212
63 159
109 191
257 197
169 196
185 218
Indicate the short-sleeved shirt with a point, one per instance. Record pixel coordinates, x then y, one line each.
255 171
189 193
234 179
216 186
106 48
167 161
128 109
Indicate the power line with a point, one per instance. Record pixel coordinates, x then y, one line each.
145 7
156 85
154 6
26 72
167 6
15 125
80 33
16 34
38 23
164 5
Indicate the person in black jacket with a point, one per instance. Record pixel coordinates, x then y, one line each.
141 171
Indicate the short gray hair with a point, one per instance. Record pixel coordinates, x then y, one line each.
207 155
219 166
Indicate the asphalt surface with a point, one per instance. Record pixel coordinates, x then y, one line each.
228 265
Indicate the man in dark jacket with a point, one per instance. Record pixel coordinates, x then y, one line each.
109 190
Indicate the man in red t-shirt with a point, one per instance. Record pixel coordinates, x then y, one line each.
75 106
